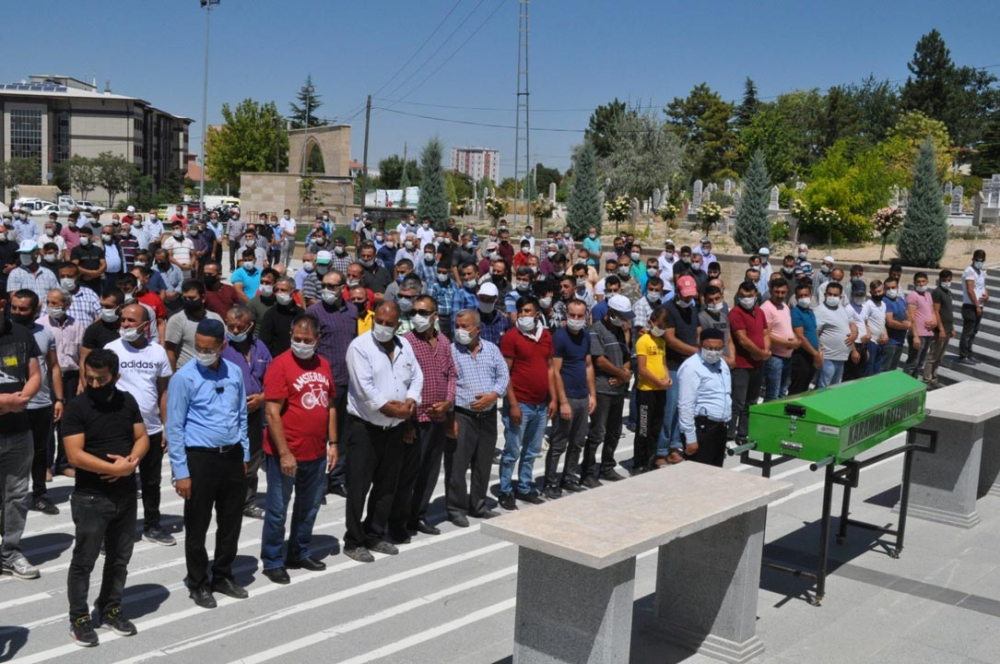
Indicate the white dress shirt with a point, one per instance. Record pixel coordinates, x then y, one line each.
705 390
376 379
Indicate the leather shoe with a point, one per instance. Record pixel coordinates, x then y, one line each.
278 575
203 597
485 514
309 564
384 547
422 526
338 490
612 476
573 487
229 588
460 521
359 554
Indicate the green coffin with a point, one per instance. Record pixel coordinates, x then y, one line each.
841 421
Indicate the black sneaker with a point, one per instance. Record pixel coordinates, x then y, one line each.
612 476
485 514
45 506
82 630
116 621
507 502
553 492
591 482
573 487
359 554
253 512
384 547
529 497
159 536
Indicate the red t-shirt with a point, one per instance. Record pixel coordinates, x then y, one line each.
530 371
152 300
308 390
222 300
754 323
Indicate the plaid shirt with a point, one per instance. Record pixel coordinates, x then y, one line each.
439 373
405 325
480 374
444 295
642 310
340 263
464 299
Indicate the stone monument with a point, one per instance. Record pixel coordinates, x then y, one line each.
773 204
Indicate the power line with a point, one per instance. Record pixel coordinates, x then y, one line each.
485 108
477 124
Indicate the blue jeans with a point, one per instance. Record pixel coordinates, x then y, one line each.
777 375
831 373
310 485
524 443
670 433
876 357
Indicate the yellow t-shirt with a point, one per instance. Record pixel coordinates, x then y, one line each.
655 350
365 323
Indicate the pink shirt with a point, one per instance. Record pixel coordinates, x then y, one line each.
71 237
924 313
780 322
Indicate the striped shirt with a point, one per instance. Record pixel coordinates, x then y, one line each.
439 372
69 339
376 378
482 373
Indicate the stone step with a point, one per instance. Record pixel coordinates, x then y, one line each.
982 371
949 376
984 341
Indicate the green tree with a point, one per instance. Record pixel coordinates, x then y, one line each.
545 176
703 121
753 228
20 170
115 174
987 161
925 230
584 208
601 121
250 138
308 104
768 134
903 145
391 172
645 153
749 106
878 108
460 184
404 183
433 195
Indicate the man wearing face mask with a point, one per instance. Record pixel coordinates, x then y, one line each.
172 279
443 289
705 406
923 322
29 274
219 297
752 343
974 296
778 367
522 287
494 325
155 230
264 299
9 260
715 316
144 372
113 257
234 233
630 286
896 323
375 277
385 389
426 266
682 333
275 326
858 313
253 359
698 271
209 449
338 326
90 259
408 290
425 440
836 334
246 278
468 282
182 328
68 333
941 297
300 445
807 359
340 259
181 250
106 328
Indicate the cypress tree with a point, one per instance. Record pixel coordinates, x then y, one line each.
925 230
433 198
753 229
584 207
403 184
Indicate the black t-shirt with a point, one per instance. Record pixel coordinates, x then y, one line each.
685 323
8 256
100 333
17 348
276 328
942 297
90 258
107 429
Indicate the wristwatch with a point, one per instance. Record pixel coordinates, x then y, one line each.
60 401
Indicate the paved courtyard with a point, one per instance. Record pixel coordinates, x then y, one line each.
450 598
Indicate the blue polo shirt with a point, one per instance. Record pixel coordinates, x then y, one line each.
897 308
573 350
806 319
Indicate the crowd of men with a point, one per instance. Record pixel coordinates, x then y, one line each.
375 366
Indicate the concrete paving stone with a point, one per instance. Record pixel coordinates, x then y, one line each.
956 631
900 651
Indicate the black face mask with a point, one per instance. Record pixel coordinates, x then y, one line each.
101 394
361 307
877 299
191 306
211 279
22 319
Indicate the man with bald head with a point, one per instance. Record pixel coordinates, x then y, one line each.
144 371
384 390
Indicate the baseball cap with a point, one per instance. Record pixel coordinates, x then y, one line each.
803 247
669 242
26 247
323 257
705 240
489 289
621 306
130 208
687 286
858 286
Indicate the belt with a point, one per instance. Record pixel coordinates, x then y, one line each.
706 418
380 427
225 449
476 414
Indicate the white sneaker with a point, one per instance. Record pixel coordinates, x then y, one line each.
20 568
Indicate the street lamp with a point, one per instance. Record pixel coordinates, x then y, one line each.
207 5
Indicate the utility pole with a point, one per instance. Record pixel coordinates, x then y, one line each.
402 178
364 164
522 110
207 5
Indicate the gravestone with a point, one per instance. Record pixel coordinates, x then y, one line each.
991 191
635 212
799 185
956 200
657 197
520 194
894 198
773 204
736 198
696 195
906 198
948 188
727 187
552 192
666 190
600 199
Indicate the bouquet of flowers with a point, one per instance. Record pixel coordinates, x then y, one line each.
709 214
668 211
495 207
542 209
885 222
618 208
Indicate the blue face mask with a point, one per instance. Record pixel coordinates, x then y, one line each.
399 278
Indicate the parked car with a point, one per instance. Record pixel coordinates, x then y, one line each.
60 210
90 208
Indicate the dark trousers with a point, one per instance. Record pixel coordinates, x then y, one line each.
606 428
71 381
711 438
41 436
854 371
150 475
255 432
446 326
100 519
568 437
376 455
915 357
803 371
970 328
649 422
234 250
418 475
746 390
338 475
477 436
218 483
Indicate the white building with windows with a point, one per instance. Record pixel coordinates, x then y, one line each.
51 118
477 163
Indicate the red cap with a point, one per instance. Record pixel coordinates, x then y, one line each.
687 286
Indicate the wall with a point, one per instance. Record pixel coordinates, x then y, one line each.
274 192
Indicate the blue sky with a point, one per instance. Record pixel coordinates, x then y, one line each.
583 53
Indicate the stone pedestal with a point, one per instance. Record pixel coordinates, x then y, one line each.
944 485
989 468
706 589
572 614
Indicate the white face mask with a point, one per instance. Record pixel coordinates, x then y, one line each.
833 301
575 324
487 308
284 299
383 333
654 298
682 303
303 351
84 241
422 323
657 331
859 299
27 259
330 297
920 289
624 270
308 266
715 307
266 290
109 315
711 356
249 265
131 334
527 324
804 304
129 298
891 293
546 302
206 359
178 234
463 337
635 256
748 302
443 277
